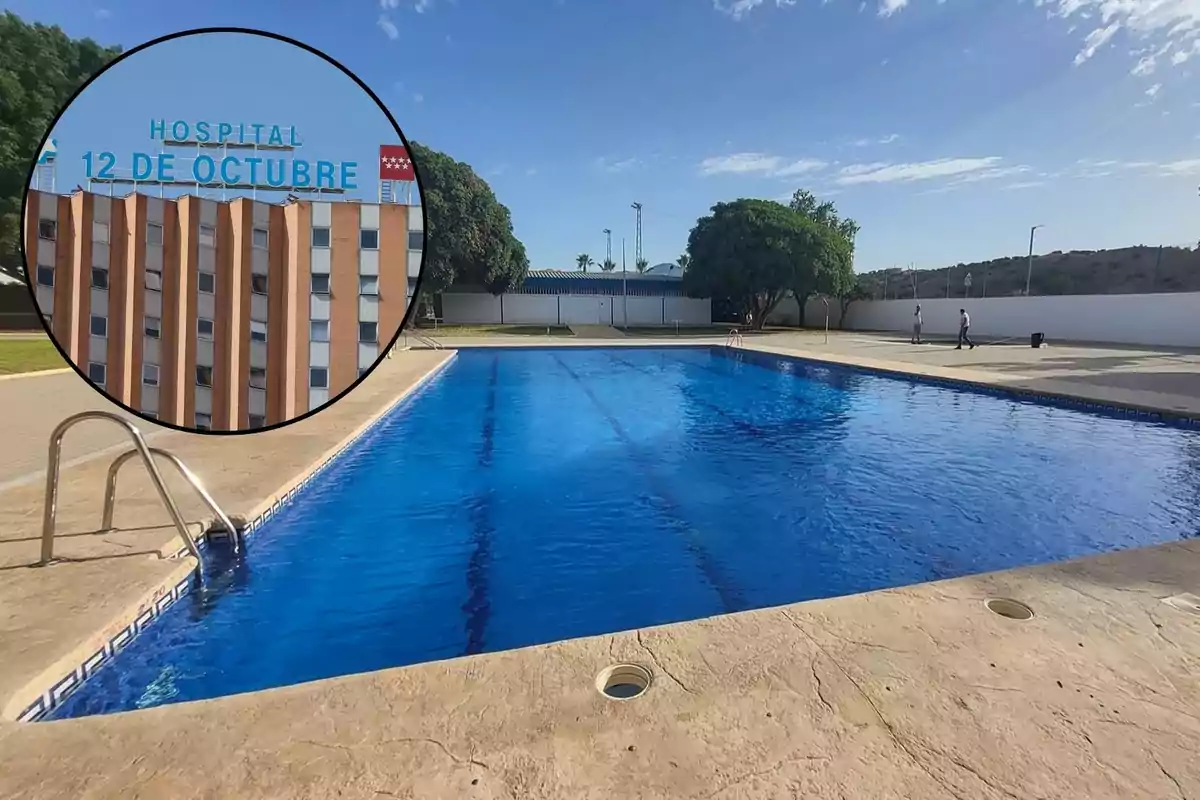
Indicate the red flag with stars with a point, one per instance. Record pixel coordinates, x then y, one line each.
394 163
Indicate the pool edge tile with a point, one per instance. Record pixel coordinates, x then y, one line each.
166 596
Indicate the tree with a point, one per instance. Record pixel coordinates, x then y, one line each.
641 264
608 265
683 261
805 203
40 68
746 251
583 261
471 229
856 292
829 269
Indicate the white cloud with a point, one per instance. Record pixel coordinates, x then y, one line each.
1165 24
103 13
1188 166
740 8
388 27
1091 168
799 167
867 142
1024 185
1154 90
421 6
617 165
759 164
919 171
1095 40
387 5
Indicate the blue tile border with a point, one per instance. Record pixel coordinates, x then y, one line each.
65 686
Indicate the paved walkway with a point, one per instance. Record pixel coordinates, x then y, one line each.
596 332
916 692
35 403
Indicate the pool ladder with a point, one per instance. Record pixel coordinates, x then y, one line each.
428 341
734 338
147 455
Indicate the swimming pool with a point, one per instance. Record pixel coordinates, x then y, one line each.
531 495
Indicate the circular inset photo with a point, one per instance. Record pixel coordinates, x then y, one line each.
223 231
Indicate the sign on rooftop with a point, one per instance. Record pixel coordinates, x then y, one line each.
227 155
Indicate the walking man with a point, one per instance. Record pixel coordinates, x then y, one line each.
964 326
916 334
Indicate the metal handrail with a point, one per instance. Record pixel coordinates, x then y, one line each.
110 492
428 341
50 509
734 339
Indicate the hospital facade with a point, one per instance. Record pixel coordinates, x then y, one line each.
221 315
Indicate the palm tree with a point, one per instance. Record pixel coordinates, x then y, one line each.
642 264
608 265
683 261
582 260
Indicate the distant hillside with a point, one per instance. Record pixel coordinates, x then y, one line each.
1129 270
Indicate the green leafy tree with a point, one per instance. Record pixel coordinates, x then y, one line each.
471 231
40 68
829 269
583 261
856 292
745 251
608 265
641 265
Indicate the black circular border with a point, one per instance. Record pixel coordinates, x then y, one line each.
408 312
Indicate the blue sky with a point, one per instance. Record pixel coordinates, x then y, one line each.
162 83
946 127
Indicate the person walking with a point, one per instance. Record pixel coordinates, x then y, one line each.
916 332
964 326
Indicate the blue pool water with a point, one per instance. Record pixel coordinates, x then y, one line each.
527 496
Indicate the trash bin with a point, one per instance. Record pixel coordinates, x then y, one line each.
1036 339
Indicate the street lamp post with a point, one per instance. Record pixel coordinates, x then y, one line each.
624 290
1029 269
637 241
607 246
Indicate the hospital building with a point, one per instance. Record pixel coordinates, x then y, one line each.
221 315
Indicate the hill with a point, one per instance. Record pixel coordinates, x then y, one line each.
1128 270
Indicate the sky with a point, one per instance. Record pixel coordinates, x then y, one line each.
947 128
117 111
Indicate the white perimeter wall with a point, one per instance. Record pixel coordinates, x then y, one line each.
549 309
1167 320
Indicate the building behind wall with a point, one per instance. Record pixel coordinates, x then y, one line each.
555 297
221 315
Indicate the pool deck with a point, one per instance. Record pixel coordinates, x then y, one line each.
915 692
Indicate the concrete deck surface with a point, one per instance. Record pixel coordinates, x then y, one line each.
916 692
50 615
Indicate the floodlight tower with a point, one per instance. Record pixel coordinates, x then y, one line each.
637 237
